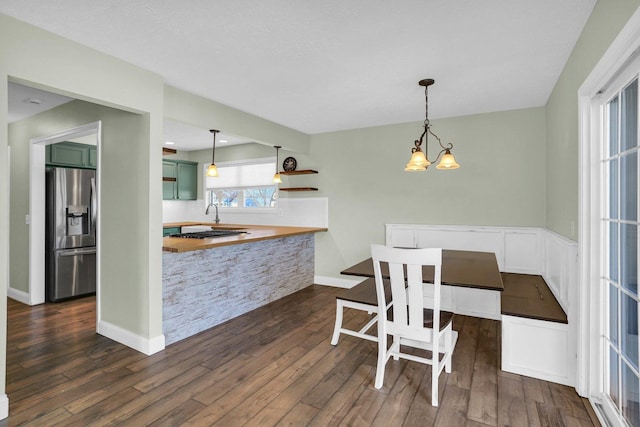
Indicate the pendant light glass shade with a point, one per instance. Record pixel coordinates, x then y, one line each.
212 170
448 161
418 162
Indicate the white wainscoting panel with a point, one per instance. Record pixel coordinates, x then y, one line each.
517 249
470 239
560 267
402 238
522 253
537 349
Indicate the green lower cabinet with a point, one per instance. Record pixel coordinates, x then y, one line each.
179 180
168 231
72 155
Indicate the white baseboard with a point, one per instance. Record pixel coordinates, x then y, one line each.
4 407
18 295
128 338
337 282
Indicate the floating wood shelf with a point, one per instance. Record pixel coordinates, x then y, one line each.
168 179
299 189
166 151
300 172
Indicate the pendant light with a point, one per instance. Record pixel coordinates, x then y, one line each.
419 160
212 170
276 176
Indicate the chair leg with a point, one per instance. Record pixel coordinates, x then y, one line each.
382 359
448 344
435 370
338 325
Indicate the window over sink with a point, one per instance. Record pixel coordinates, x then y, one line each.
246 184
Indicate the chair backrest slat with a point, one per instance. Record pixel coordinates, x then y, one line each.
396 274
407 289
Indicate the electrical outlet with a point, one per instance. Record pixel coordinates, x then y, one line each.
27 219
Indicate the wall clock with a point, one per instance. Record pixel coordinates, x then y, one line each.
289 164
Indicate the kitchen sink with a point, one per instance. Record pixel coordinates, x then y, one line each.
194 228
209 233
226 227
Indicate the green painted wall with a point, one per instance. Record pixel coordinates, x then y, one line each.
32 56
604 24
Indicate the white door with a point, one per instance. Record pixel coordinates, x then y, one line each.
620 249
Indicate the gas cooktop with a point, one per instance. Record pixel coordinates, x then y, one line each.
207 234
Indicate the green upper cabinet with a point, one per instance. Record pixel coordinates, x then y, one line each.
187 181
169 180
179 180
71 155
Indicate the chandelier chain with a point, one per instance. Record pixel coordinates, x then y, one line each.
426 105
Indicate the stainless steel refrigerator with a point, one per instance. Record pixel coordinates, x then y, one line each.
71 217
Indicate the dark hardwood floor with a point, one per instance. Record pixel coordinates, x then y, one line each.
273 366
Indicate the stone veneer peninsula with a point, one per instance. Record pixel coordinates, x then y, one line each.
209 281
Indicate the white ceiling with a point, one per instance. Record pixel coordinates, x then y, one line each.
319 66
27 101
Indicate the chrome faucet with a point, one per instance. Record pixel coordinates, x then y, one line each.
207 211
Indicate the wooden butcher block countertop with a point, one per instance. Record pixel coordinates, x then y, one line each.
254 233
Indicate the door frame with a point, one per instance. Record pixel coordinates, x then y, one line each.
37 148
623 50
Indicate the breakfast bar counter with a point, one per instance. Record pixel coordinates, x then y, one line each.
208 281
254 233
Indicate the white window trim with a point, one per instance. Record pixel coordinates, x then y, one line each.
615 60
256 210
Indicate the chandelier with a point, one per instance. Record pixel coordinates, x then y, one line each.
419 160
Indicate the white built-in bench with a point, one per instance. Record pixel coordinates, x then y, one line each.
532 345
539 335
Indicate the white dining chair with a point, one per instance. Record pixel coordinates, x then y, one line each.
409 321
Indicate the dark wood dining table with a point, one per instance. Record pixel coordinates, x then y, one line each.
469 269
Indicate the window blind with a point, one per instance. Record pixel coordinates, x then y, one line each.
242 176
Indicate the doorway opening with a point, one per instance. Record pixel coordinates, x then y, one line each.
88 134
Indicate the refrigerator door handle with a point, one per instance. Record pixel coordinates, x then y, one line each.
76 252
94 206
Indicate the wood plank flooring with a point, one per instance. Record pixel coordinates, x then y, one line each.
272 366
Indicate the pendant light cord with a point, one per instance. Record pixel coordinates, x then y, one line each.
213 155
